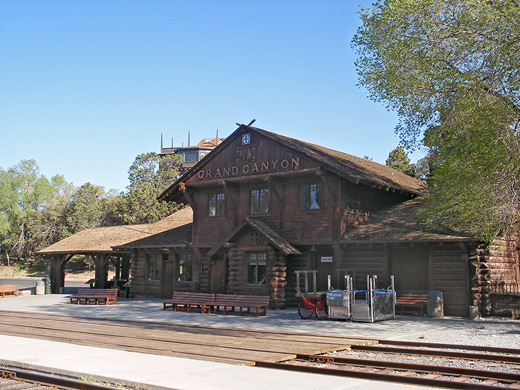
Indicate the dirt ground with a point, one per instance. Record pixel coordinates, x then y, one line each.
15 272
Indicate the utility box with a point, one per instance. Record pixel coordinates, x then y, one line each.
47 282
435 304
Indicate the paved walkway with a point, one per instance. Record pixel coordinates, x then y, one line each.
160 372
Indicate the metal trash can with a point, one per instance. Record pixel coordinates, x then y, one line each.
435 304
39 288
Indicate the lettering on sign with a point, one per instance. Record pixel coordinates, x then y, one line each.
326 259
246 155
251 168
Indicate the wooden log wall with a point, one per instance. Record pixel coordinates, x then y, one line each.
494 265
204 273
366 260
446 267
277 275
141 286
294 263
450 274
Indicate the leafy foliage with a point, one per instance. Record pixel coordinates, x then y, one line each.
27 199
398 159
451 70
149 176
36 212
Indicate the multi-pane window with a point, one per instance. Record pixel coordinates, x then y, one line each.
191 156
256 267
185 267
153 262
259 201
310 197
216 205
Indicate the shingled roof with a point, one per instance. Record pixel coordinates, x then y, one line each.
355 169
274 238
398 224
174 230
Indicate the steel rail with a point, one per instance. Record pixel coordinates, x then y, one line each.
49 380
438 353
389 377
474 373
512 351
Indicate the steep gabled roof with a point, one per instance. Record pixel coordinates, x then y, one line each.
356 169
352 168
274 238
398 224
174 230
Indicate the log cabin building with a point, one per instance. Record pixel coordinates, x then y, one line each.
266 214
272 213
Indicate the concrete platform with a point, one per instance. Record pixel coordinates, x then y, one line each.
160 372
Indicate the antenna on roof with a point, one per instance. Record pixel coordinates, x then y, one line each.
189 139
216 139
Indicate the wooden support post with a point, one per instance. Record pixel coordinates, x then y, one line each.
101 263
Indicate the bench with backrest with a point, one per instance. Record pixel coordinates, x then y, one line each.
8 289
227 303
95 296
189 301
415 302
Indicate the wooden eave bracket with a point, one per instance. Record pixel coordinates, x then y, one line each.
272 187
225 186
182 187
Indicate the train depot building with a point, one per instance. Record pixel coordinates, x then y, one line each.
266 214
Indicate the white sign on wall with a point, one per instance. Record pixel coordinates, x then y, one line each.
326 259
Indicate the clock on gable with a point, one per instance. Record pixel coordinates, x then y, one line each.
246 139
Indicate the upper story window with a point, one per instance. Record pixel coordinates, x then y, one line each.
153 263
259 201
216 204
310 197
191 156
185 267
256 266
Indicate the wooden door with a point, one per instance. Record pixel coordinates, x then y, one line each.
325 266
219 269
167 279
409 265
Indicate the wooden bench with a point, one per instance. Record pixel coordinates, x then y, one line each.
189 301
416 302
95 296
8 289
227 303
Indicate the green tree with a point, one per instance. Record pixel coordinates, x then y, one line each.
451 70
149 175
24 192
48 224
86 208
398 159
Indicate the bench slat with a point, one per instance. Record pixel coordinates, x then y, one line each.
412 301
97 296
8 289
240 302
189 301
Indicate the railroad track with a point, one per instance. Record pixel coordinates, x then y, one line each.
13 379
382 360
501 365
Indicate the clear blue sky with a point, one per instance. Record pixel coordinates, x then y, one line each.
85 86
